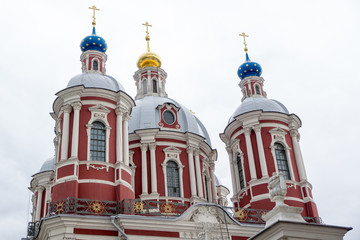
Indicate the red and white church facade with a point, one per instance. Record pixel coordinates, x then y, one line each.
144 168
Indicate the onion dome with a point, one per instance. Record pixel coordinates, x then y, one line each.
93 42
148 59
249 68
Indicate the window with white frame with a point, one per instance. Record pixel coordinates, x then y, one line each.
257 90
98 142
240 171
172 177
95 66
154 86
144 83
281 161
206 188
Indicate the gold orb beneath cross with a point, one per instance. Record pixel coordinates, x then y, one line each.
149 59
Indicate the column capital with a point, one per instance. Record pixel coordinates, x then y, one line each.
294 132
257 128
152 146
190 150
229 150
143 146
247 131
76 105
126 116
66 108
196 152
40 188
120 111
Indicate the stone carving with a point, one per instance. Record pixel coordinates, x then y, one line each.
205 215
277 188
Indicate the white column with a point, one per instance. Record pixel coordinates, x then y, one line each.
260 146
47 198
152 147
250 153
190 151
75 133
38 203
144 177
213 183
298 156
198 174
119 137
126 119
232 171
65 132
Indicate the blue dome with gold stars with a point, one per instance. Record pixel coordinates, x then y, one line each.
249 68
93 42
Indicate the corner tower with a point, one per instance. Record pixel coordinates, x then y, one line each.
262 138
90 172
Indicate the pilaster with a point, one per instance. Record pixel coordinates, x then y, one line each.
65 132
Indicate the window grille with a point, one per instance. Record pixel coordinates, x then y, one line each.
97 142
257 90
95 65
154 84
281 161
172 177
144 86
241 172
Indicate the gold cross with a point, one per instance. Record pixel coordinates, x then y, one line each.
244 35
147 38
94 8
191 111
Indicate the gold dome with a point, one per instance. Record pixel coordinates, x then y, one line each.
149 59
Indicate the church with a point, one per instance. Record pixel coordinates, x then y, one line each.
143 167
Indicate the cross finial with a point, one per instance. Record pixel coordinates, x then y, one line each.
94 9
244 36
147 37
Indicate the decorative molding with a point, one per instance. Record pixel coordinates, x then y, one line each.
88 165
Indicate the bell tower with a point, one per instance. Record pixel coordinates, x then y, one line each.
261 139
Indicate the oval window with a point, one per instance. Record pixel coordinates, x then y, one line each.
169 117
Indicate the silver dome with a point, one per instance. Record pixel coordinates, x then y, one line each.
259 103
145 115
96 80
48 165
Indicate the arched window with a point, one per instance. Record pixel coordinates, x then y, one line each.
206 189
95 65
97 142
257 89
240 171
144 86
172 177
281 161
154 85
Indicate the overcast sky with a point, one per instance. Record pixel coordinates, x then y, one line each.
308 50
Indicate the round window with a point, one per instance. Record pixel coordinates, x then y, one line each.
169 117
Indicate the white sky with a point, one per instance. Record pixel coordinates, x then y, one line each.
308 50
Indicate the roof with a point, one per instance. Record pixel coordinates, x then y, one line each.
96 80
48 165
145 115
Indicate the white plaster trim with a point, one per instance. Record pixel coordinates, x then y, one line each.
278 136
173 154
97 102
99 113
